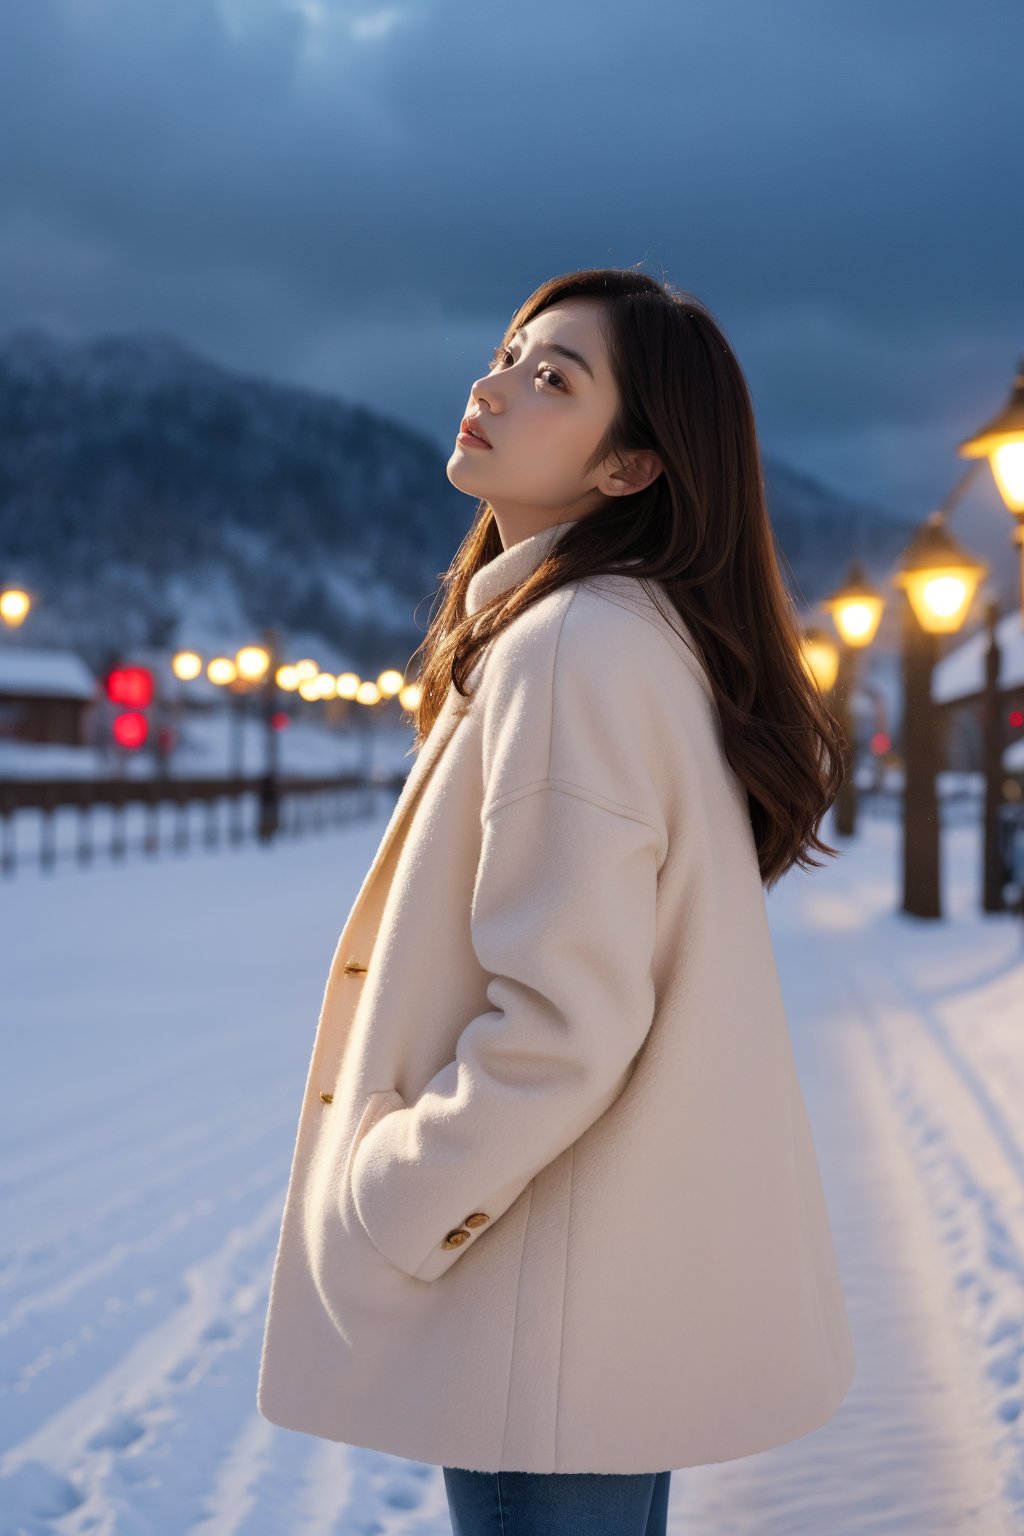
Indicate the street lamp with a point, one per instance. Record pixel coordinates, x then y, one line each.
264 665
14 606
1001 441
223 671
856 609
820 656
939 579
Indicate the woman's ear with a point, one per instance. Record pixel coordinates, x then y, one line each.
635 473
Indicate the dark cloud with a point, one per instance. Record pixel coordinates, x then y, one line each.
356 196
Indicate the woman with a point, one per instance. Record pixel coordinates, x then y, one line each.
555 1220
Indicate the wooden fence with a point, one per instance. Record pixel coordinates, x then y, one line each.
48 821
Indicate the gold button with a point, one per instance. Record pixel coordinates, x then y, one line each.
454 1239
328 1098
354 967
477 1219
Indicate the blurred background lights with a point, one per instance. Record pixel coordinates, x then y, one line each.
221 670
252 662
14 605
187 665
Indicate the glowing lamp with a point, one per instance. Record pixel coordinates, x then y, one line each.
14 605
820 656
251 662
186 665
939 577
856 608
130 686
390 682
130 730
221 670
1001 441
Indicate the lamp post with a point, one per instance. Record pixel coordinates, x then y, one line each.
992 765
1001 442
257 665
939 579
856 609
270 800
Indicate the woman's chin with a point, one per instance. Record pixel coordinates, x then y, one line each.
460 473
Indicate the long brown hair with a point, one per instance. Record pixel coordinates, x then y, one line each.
702 530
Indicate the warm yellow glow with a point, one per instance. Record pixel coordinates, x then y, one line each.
410 696
326 685
187 665
348 685
856 608
945 595
857 619
252 662
306 669
14 605
221 670
390 682
1007 463
940 598
287 677
820 657
367 693
1001 441
308 689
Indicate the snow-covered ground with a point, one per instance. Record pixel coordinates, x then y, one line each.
157 1021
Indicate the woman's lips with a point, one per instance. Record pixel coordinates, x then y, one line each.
471 438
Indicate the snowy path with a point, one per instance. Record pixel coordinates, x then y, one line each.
925 1442
158 1020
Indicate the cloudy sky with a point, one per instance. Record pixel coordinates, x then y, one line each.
356 194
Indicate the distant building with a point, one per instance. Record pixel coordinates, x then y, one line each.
45 695
958 683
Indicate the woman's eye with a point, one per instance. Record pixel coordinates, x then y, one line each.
503 352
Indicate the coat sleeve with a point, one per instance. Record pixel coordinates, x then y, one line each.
563 918
573 836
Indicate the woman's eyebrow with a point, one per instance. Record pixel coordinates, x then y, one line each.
554 346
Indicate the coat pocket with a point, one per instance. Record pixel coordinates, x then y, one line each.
379 1104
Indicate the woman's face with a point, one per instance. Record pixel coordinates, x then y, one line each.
544 413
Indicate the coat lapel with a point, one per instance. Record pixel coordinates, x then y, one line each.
508 568
451 712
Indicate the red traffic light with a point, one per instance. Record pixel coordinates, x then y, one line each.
131 687
130 730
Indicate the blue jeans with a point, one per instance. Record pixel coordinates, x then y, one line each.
557 1503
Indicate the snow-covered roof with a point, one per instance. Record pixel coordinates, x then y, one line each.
961 673
53 673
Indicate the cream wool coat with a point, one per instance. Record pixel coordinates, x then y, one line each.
554 1203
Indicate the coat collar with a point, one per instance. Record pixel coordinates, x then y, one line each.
498 575
512 566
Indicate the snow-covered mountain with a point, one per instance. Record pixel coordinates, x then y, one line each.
149 496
